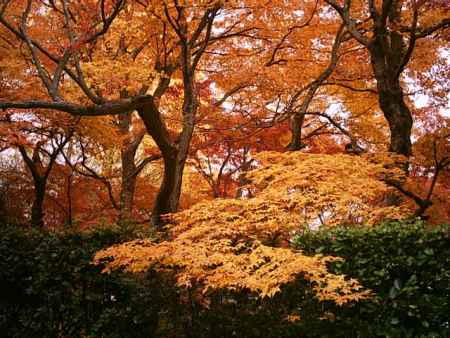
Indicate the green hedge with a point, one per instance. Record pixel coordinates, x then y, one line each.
406 264
49 288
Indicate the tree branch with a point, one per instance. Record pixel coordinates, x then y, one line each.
108 108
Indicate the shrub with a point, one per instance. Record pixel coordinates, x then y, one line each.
49 288
405 264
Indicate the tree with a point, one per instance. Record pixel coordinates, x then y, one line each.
242 243
431 163
390 33
220 81
180 34
39 143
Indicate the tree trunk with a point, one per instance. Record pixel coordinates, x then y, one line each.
398 116
128 185
390 99
174 155
386 58
168 197
37 213
129 174
296 129
389 55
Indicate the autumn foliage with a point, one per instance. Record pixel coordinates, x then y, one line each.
241 243
227 127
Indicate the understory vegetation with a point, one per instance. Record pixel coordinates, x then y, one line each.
50 288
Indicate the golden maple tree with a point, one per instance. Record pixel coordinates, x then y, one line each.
241 243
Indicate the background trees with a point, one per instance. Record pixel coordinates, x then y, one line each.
162 85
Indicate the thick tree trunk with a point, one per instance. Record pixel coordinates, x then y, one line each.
175 153
174 156
389 55
37 209
168 197
390 96
386 58
399 118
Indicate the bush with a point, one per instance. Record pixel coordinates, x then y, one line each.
49 288
405 264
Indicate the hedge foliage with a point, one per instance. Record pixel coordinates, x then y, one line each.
405 264
49 288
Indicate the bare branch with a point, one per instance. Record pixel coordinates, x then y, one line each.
351 25
108 108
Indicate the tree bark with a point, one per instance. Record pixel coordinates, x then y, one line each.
391 96
389 52
39 176
399 119
175 153
174 156
37 209
168 197
296 129
129 170
128 186
299 117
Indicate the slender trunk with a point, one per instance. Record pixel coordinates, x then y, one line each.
37 213
296 130
243 181
69 200
128 185
127 156
299 118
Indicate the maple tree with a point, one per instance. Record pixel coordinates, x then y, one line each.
240 243
227 68
182 43
431 165
39 143
390 30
